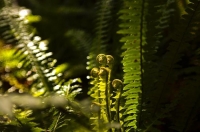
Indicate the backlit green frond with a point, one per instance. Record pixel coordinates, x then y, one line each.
133 29
101 94
108 117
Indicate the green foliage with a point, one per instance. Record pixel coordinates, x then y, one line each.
134 38
30 54
149 71
104 96
159 87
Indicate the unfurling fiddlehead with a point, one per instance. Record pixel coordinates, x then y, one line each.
102 95
118 87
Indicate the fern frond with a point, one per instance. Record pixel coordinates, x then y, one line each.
117 107
102 94
133 29
184 32
158 20
33 54
35 58
58 123
101 117
24 121
169 66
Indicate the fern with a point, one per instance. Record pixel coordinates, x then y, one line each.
160 89
168 74
102 93
158 20
22 122
31 46
133 30
106 97
175 51
61 121
117 108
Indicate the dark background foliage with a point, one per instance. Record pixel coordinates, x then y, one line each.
60 19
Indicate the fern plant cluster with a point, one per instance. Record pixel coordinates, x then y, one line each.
157 80
107 98
156 44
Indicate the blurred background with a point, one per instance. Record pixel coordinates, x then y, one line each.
68 26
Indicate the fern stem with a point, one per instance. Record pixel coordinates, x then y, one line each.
118 108
54 128
44 80
99 112
19 121
107 94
